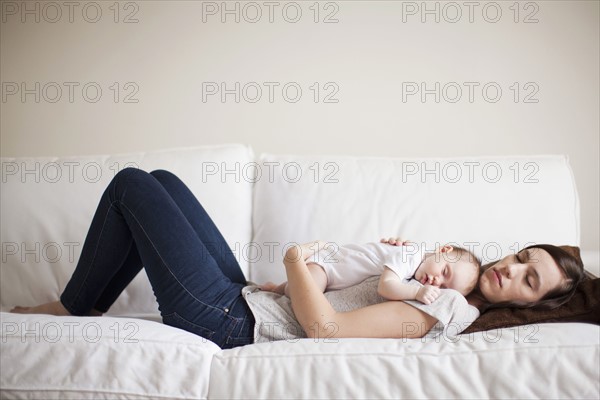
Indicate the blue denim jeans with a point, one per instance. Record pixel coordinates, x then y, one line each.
152 220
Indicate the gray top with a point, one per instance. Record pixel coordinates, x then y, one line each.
275 319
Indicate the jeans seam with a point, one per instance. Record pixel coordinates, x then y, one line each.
68 307
87 272
164 262
243 322
231 330
212 332
104 291
231 340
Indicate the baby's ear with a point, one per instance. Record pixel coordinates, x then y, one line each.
445 249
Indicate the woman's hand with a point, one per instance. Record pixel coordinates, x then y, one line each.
316 315
293 254
395 241
273 287
308 249
305 250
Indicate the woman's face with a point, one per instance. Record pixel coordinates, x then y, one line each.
526 276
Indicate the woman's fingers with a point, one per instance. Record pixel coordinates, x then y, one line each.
395 241
269 286
264 286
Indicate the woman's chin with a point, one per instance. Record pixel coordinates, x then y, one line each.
486 288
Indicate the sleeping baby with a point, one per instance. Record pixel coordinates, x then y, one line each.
406 272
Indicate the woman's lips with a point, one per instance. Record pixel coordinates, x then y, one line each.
498 277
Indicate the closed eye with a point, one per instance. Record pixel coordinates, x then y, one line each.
528 281
521 260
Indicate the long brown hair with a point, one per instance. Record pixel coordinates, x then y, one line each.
570 266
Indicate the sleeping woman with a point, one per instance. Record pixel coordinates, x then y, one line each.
153 221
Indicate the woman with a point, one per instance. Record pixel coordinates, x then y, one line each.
153 220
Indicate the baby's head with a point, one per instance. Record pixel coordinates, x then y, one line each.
449 267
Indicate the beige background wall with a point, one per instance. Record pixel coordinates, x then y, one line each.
364 60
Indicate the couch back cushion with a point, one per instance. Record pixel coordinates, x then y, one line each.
48 204
492 205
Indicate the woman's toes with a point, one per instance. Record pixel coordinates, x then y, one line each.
52 308
19 309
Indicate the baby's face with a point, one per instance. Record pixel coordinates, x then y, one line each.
446 270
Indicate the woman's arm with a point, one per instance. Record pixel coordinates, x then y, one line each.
391 319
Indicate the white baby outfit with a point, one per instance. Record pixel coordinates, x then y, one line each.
351 264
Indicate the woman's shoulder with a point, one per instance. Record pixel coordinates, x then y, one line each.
459 302
455 297
449 307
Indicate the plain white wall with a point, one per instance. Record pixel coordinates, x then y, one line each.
366 62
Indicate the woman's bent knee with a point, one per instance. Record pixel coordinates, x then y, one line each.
161 173
128 172
127 178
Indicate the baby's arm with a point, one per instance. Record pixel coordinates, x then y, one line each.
391 287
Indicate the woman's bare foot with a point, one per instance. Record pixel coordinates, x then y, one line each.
52 308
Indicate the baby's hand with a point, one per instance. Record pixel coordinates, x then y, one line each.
428 294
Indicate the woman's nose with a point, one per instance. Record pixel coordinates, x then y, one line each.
511 269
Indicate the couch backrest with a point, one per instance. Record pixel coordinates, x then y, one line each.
493 205
48 203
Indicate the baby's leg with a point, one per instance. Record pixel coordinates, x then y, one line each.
318 275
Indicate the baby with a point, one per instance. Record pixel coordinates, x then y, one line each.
406 272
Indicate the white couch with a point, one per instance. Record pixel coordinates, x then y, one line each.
493 204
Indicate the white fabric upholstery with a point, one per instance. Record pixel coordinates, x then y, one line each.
135 356
361 199
45 216
96 358
532 361
591 260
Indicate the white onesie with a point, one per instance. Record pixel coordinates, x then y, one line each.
351 264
